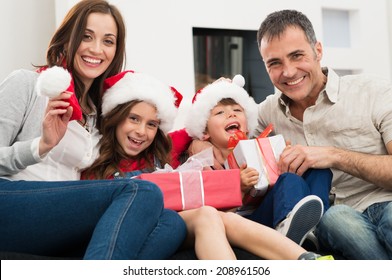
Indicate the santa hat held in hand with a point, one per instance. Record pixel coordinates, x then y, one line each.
129 85
53 81
208 97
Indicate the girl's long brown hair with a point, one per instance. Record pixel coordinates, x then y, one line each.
111 152
66 40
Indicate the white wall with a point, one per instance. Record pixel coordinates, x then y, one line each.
26 28
159 32
371 51
164 46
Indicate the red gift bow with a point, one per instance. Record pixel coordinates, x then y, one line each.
233 141
239 135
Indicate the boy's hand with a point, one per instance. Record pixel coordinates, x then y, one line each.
249 178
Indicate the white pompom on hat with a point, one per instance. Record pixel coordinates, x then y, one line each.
52 81
207 98
129 85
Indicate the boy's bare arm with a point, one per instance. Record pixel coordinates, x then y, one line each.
199 145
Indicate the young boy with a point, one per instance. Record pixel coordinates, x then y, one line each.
295 204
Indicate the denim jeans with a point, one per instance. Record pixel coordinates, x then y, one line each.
287 191
356 235
105 219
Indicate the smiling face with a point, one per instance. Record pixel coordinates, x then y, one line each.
98 47
225 121
138 130
293 65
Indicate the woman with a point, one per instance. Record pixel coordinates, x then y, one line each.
44 208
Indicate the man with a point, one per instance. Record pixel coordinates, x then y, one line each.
342 123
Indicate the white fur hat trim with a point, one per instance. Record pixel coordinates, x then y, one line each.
206 99
53 81
138 86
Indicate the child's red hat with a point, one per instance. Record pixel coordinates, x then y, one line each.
53 81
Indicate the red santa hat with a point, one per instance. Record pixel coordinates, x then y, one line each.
208 97
53 81
129 85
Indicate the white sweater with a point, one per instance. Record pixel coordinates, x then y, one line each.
21 115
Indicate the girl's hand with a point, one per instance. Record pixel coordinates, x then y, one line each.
249 178
57 115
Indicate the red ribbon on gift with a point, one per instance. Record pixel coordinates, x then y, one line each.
271 165
192 189
266 131
233 141
239 135
235 138
267 152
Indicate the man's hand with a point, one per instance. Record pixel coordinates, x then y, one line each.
297 159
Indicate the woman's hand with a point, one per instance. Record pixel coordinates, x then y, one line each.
249 178
57 115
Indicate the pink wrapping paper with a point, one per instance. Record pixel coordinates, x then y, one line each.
193 189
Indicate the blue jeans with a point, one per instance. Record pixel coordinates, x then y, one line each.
287 191
104 219
356 235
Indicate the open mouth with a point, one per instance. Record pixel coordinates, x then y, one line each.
92 60
135 141
232 128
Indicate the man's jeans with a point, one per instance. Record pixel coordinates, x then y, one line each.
113 219
355 235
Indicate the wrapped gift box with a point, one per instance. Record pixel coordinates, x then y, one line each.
193 189
262 154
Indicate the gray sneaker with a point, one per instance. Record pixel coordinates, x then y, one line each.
302 219
311 242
